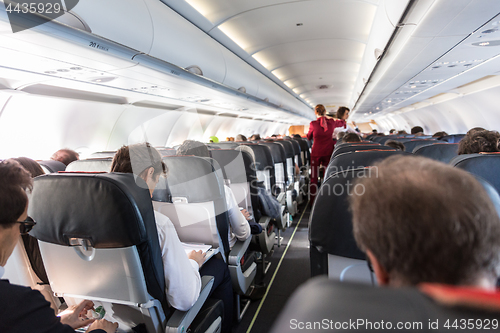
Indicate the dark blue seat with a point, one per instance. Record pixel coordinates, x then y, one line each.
454 138
358 159
415 143
486 166
443 152
357 147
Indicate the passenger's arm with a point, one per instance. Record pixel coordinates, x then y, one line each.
182 279
239 224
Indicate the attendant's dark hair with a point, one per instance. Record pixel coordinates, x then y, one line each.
320 110
479 142
192 147
14 182
137 158
341 111
426 202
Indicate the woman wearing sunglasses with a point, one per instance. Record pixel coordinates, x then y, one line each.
23 309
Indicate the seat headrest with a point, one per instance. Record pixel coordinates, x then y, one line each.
107 209
412 144
91 165
277 152
330 228
223 145
194 178
358 147
288 147
52 166
262 156
359 159
453 138
103 154
441 151
232 164
485 166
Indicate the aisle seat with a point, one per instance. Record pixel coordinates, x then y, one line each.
486 166
357 147
453 138
440 151
98 240
51 166
91 165
412 145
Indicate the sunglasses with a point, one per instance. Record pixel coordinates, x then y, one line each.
26 225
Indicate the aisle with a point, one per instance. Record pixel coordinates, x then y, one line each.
293 270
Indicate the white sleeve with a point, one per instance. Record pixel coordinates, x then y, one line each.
350 130
182 279
239 227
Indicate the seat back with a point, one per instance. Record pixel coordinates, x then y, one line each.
296 152
167 151
485 166
440 151
357 147
411 145
279 161
333 250
264 165
103 154
366 309
358 159
290 159
193 198
305 153
51 166
223 145
453 138
98 239
91 165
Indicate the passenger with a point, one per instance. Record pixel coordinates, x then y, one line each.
24 309
392 131
434 224
417 130
297 136
31 166
255 137
321 131
65 156
230 139
439 134
479 142
239 228
351 137
241 138
474 130
402 132
182 280
395 144
340 137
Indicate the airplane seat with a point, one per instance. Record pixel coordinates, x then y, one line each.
265 240
300 182
485 166
167 151
453 138
380 139
91 165
359 159
305 157
200 216
51 166
25 267
357 147
411 145
333 250
103 154
99 241
223 145
439 151
346 144
367 309
291 198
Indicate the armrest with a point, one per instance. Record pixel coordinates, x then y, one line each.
238 251
264 221
282 198
180 320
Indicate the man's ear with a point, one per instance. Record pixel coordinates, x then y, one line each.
380 272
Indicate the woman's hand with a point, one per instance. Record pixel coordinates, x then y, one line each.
103 324
246 214
76 315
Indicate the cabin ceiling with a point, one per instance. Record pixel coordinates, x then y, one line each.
322 50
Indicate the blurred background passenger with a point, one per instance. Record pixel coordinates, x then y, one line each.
65 156
255 137
439 134
395 144
351 138
417 131
479 142
240 138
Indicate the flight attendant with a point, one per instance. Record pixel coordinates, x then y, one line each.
321 131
